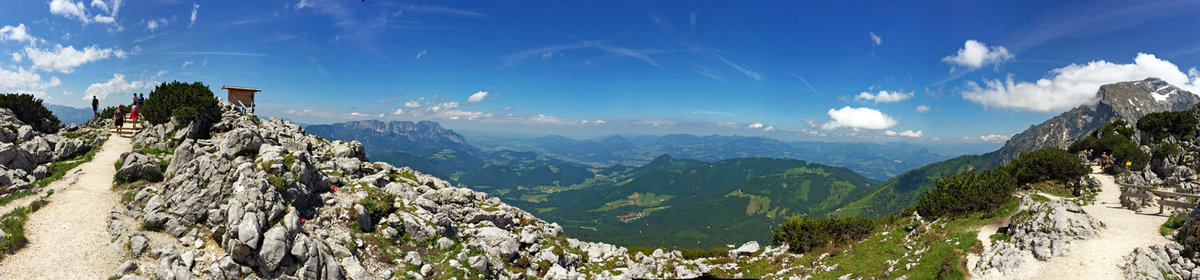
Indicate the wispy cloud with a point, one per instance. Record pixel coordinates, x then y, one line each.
422 53
643 55
810 87
195 8
875 39
740 68
217 53
707 112
185 64
441 11
386 100
656 122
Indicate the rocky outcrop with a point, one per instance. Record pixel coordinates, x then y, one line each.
1042 230
1160 263
1126 100
279 203
26 154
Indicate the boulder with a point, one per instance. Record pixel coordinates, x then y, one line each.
274 247
745 250
139 165
496 242
240 140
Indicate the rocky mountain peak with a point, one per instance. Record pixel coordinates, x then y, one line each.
1125 100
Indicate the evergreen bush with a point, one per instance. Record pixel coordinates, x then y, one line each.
803 233
186 102
1159 125
967 192
31 111
1051 163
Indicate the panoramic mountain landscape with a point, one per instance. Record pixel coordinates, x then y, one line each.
320 139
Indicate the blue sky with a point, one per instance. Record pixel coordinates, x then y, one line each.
824 70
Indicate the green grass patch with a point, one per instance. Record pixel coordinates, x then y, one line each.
1174 222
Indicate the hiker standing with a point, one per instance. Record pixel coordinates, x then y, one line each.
133 116
1103 161
142 99
95 107
119 118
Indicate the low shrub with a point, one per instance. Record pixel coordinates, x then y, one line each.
967 192
31 111
1051 163
803 233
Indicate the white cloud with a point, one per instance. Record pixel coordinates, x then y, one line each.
154 24
1075 84
656 122
875 39
422 53
922 109
195 7
186 63
975 54
912 134
889 133
16 33
994 138
478 96
117 86
769 128
399 111
358 115
460 114
755 125
858 118
69 9
16 57
110 7
884 96
443 106
64 60
23 80
413 104
935 139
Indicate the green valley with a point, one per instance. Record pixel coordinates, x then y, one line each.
692 204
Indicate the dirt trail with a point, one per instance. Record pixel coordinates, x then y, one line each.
68 238
1102 256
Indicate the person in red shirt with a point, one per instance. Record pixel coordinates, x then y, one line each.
133 114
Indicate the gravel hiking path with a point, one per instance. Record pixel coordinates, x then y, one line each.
68 238
1102 256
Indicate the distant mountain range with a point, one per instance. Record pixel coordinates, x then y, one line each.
70 115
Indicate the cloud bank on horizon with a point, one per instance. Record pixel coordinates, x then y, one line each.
683 67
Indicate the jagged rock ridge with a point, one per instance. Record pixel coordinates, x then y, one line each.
1126 100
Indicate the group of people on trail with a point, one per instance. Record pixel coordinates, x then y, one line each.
119 115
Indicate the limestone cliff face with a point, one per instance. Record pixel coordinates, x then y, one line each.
1126 100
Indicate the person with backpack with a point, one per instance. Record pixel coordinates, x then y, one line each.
95 107
142 99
